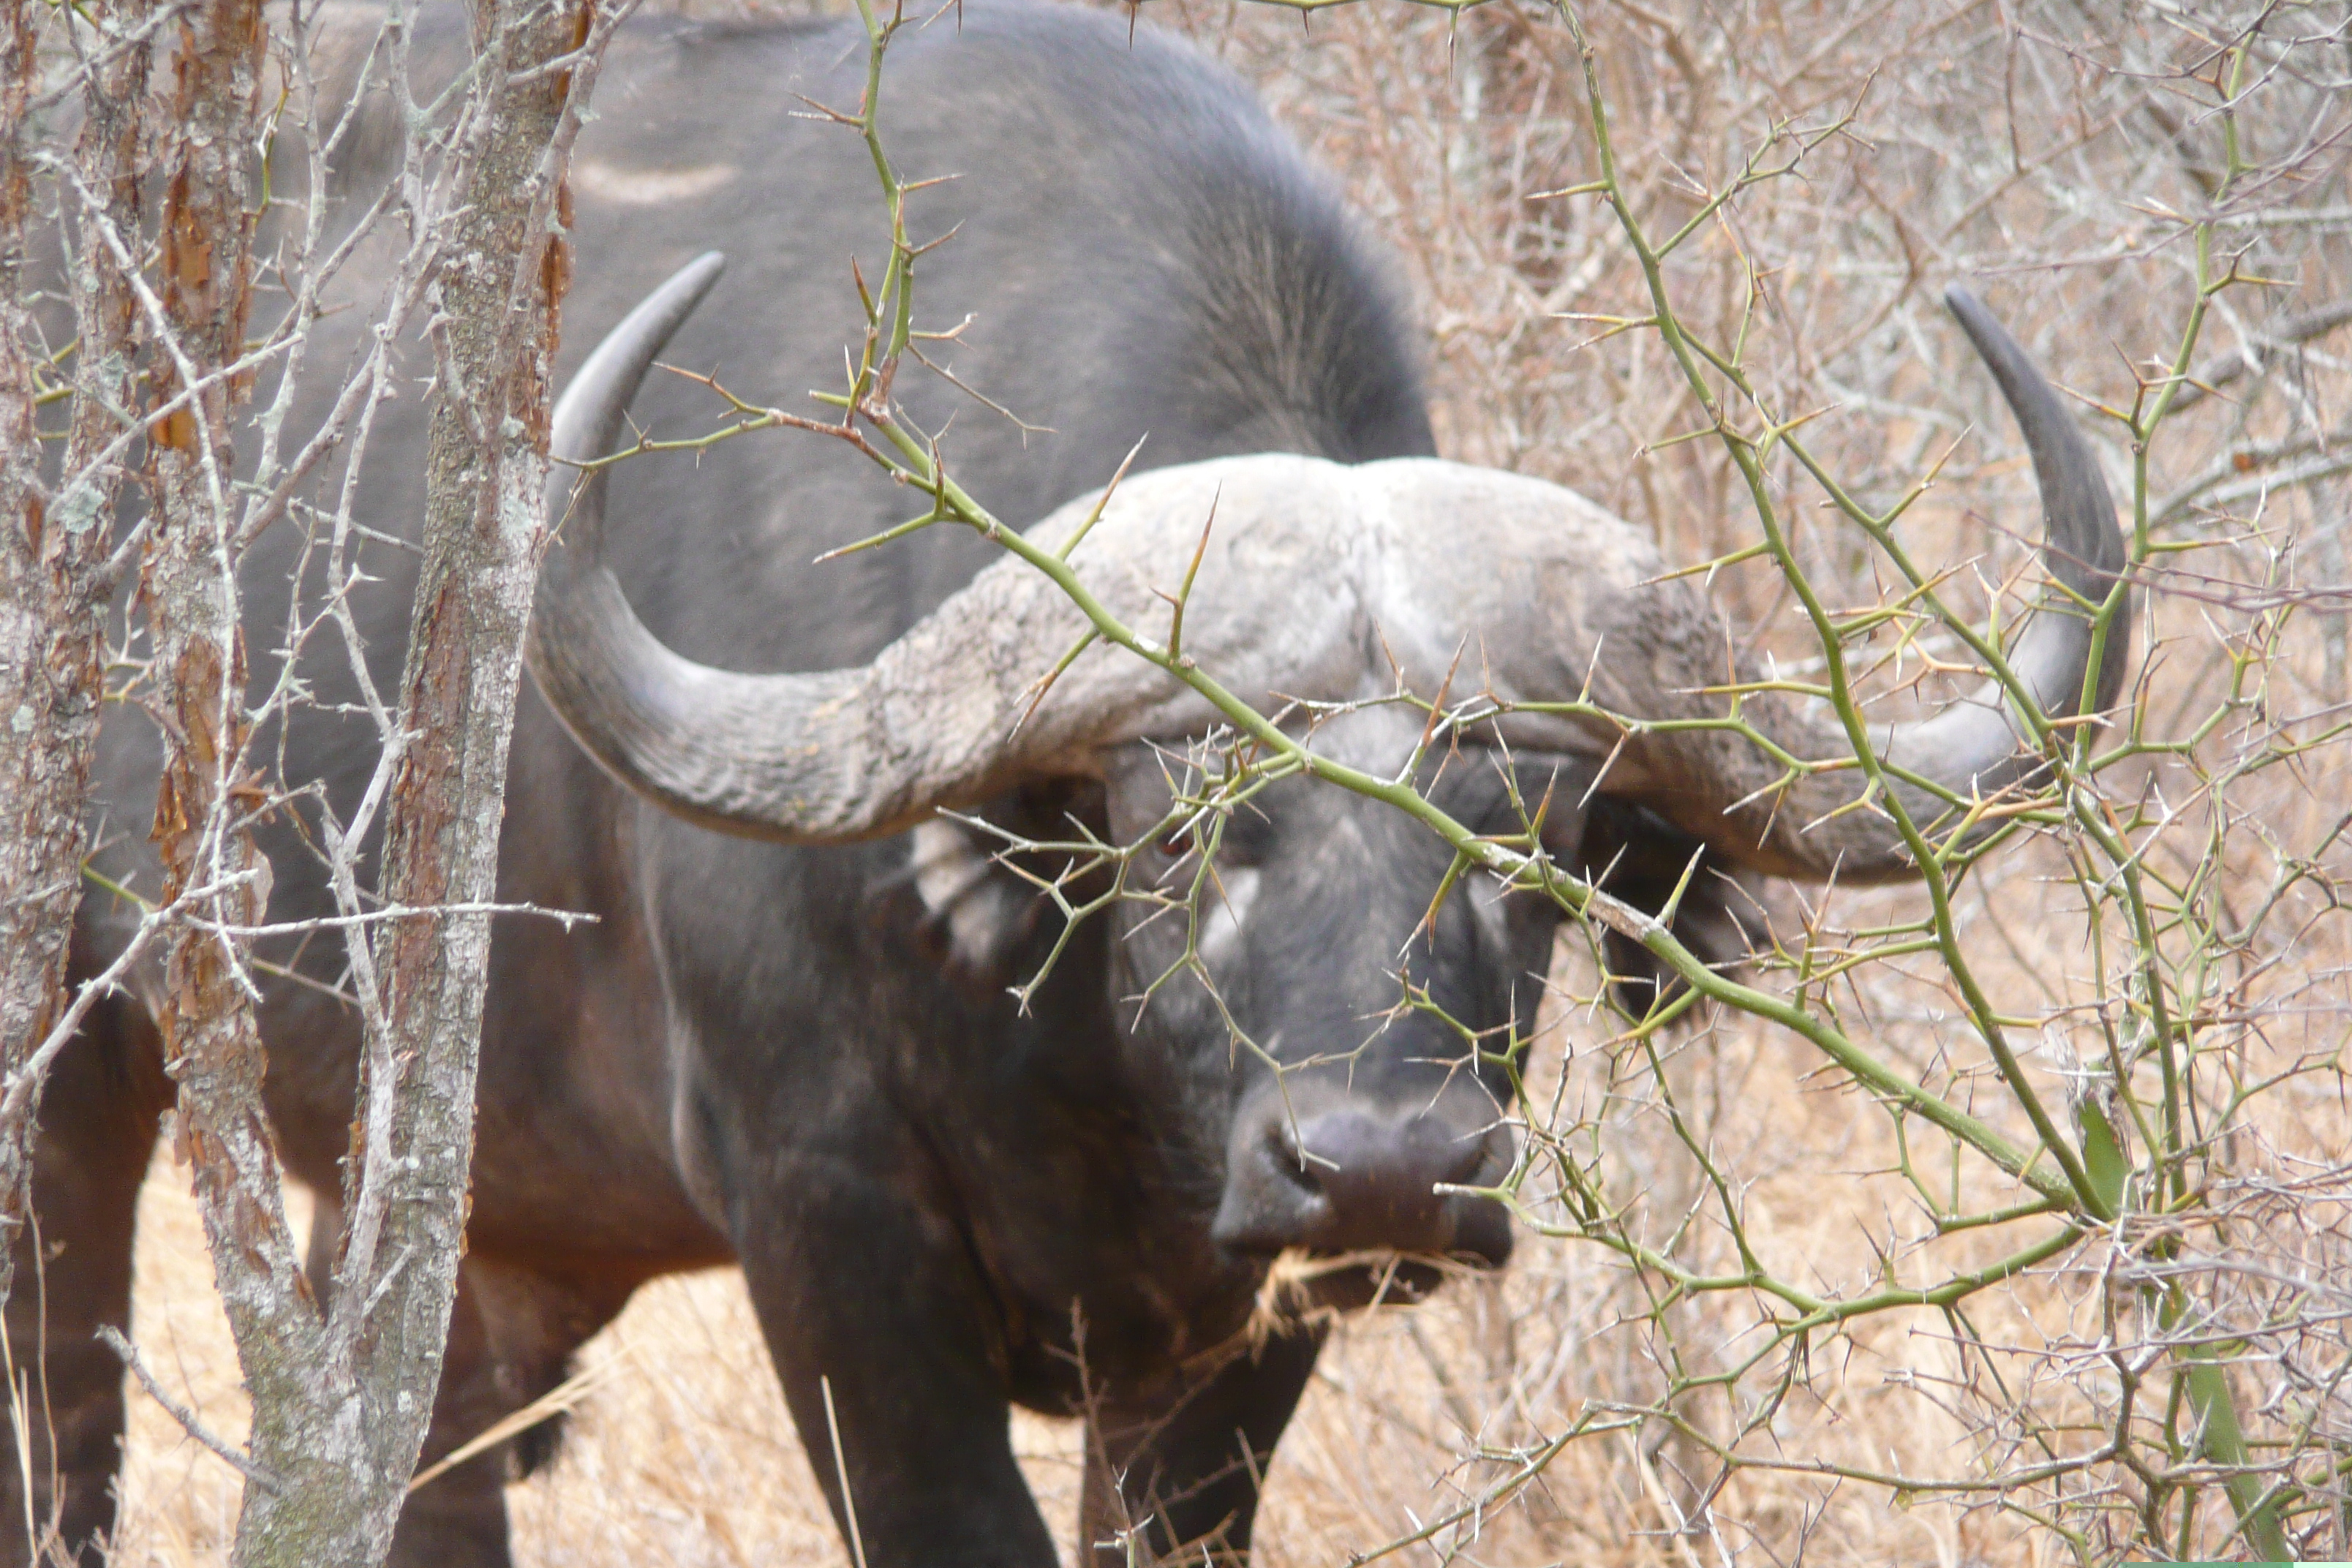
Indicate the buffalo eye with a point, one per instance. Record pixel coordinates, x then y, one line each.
1177 843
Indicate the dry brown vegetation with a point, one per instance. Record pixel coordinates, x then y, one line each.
2062 155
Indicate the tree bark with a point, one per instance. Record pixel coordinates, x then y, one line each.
55 564
341 1402
496 307
40 800
213 872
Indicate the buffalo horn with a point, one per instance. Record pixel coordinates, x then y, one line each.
1308 579
1720 787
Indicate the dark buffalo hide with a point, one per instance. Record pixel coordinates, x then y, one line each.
804 1059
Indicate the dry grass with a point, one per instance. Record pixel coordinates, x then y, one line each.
2046 146
683 1454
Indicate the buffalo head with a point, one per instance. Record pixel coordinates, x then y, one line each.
1335 1034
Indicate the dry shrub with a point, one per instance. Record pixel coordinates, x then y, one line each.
2061 155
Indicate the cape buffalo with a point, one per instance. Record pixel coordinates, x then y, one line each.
787 1041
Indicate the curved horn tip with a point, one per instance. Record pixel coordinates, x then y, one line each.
589 415
666 308
661 312
1981 325
699 274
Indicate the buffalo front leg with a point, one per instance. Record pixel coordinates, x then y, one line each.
866 1292
96 1130
1180 1480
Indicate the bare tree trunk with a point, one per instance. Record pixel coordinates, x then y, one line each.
211 867
496 307
40 801
54 568
342 1404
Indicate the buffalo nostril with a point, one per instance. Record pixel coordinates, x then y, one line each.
1272 1198
1299 1167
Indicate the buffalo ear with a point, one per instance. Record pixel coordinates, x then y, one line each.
978 918
971 920
1638 856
